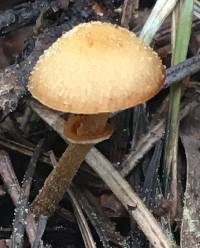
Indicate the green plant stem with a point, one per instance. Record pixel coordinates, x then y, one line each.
59 179
179 55
172 132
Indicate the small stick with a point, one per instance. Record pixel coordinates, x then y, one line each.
10 181
6 232
21 210
82 223
42 222
23 149
180 71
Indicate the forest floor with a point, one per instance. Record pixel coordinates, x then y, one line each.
145 160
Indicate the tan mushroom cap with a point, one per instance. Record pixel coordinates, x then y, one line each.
94 68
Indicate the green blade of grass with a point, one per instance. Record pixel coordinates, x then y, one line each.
182 39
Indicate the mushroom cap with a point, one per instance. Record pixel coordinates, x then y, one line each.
95 68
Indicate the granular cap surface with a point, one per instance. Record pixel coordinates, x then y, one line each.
95 68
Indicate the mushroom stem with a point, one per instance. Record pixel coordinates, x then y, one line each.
88 129
59 179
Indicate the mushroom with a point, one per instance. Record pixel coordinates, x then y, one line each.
93 69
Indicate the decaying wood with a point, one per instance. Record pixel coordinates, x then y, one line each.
190 136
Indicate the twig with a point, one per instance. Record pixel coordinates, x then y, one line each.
21 210
39 232
24 149
5 232
10 181
8 176
84 228
180 71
